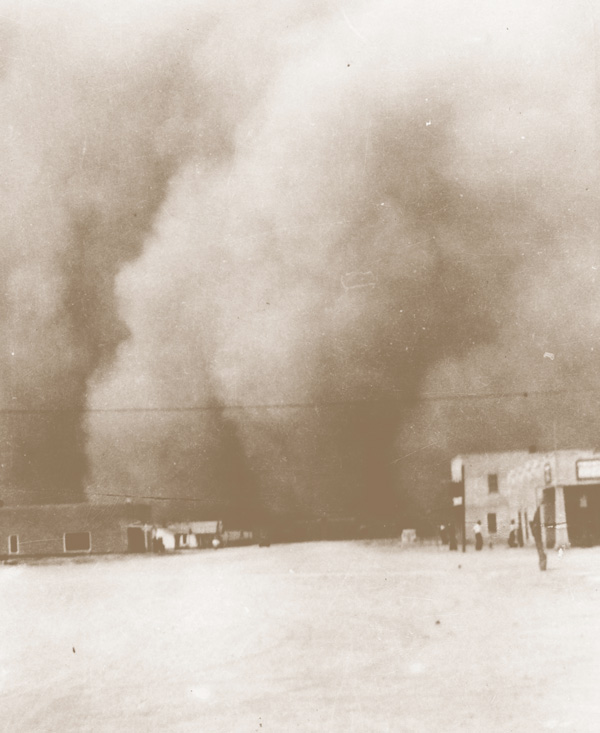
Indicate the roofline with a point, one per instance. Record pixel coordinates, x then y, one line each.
549 451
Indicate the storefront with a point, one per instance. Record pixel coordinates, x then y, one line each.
582 503
504 490
566 484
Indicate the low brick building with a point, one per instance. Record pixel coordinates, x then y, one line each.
68 529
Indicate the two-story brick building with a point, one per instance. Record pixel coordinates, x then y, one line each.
500 487
486 490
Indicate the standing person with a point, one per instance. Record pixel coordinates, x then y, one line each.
443 534
478 535
452 537
536 531
512 537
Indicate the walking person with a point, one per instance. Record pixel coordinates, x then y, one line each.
536 531
478 535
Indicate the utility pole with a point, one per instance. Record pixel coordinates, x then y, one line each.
464 511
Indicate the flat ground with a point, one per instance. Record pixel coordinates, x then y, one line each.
308 637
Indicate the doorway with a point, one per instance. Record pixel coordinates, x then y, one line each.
582 507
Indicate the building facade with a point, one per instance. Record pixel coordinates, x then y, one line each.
500 487
566 484
485 486
72 529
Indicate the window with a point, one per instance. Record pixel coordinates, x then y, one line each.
13 544
492 529
493 483
78 542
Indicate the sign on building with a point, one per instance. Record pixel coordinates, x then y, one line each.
588 468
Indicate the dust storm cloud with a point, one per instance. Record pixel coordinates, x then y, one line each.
240 243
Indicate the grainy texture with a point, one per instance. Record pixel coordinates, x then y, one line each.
308 637
210 206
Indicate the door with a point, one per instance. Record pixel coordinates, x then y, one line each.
582 505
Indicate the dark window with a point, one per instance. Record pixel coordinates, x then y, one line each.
78 542
13 544
492 523
493 483
136 539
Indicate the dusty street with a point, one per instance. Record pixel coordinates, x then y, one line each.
306 637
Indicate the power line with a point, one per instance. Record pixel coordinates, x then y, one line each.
135 497
443 397
132 496
524 394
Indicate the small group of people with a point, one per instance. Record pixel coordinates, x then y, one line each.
515 537
448 536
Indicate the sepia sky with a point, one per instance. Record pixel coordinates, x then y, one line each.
255 255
